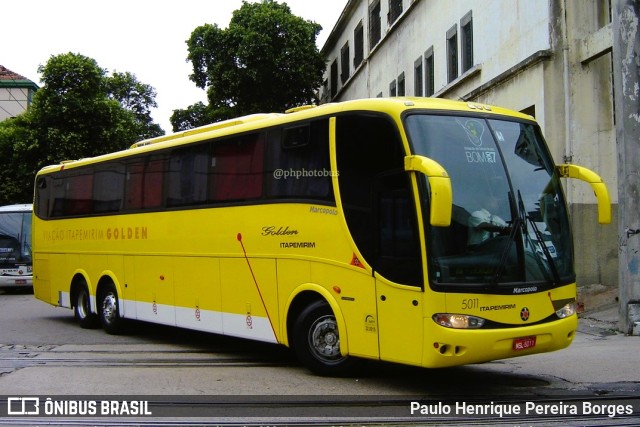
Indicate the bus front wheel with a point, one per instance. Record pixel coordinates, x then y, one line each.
317 341
108 310
82 308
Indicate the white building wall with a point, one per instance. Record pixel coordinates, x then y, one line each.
550 57
13 101
504 32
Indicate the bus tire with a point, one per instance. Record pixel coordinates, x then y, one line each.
109 311
316 342
82 308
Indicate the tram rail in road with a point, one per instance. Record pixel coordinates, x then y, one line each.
204 379
14 357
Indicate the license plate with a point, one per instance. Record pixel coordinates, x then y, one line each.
524 343
21 281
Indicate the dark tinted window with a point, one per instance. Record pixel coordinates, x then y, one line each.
298 162
234 169
237 168
376 196
108 185
144 182
187 175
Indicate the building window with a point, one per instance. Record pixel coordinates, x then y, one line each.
325 91
374 24
429 70
452 54
401 90
603 13
358 45
395 10
392 89
334 78
344 63
417 77
466 32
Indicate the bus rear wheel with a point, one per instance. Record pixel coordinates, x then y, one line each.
108 310
317 342
82 308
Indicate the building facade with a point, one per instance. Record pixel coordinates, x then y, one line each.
548 58
16 93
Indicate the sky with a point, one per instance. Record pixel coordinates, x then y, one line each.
144 37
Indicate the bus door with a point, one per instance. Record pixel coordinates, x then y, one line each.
379 211
398 272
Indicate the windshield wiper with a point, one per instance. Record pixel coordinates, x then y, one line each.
517 223
545 249
523 221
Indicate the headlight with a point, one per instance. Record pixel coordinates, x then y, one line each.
567 310
458 321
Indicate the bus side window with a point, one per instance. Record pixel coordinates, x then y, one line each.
187 176
144 182
376 196
43 197
108 184
133 188
298 162
236 167
77 197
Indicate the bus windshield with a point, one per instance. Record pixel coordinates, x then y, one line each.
15 239
509 222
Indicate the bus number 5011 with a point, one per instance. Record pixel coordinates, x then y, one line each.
470 303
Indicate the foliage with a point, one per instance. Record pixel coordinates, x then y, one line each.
266 60
79 112
138 98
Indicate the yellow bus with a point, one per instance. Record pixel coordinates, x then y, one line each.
419 231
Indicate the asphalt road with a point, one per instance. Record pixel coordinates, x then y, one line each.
44 353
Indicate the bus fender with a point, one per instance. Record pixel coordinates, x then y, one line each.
107 274
326 295
87 281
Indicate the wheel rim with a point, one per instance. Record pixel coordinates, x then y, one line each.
109 307
83 304
324 340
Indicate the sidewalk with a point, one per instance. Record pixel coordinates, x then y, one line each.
602 321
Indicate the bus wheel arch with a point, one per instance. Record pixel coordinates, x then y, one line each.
81 302
313 327
108 306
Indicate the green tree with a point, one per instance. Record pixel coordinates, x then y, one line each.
266 60
18 155
136 97
79 112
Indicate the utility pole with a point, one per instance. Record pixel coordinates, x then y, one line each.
626 76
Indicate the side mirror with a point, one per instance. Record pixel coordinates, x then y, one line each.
598 186
440 183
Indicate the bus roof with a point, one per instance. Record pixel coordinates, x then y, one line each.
392 106
16 208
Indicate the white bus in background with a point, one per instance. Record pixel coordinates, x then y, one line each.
15 246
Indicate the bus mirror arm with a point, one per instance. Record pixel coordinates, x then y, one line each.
440 183
598 186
